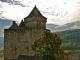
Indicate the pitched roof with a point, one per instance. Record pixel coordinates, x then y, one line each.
22 25
14 25
35 12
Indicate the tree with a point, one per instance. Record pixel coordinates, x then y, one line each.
48 46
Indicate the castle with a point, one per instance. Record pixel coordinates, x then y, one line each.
18 40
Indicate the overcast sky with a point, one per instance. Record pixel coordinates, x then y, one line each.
58 12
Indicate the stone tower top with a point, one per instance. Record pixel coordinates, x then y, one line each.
35 13
35 19
22 25
14 25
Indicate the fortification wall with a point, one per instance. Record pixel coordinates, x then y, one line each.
19 42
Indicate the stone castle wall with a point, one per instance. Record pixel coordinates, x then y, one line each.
19 42
34 22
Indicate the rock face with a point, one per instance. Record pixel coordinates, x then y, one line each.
18 40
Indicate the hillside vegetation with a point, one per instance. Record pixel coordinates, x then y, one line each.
1 41
71 39
1 48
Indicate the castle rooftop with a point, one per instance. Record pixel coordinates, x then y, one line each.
35 12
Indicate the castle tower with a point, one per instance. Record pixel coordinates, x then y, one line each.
18 40
14 25
35 19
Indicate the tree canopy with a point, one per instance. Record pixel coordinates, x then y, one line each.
48 46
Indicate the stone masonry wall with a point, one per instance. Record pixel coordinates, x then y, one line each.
18 42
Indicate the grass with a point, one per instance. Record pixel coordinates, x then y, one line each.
67 51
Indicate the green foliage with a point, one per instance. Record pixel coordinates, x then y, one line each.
71 39
67 51
1 41
1 53
48 46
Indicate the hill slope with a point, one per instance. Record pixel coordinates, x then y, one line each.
1 41
71 39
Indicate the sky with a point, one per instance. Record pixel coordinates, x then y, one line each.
58 12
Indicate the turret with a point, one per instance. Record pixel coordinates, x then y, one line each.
14 26
22 25
35 19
